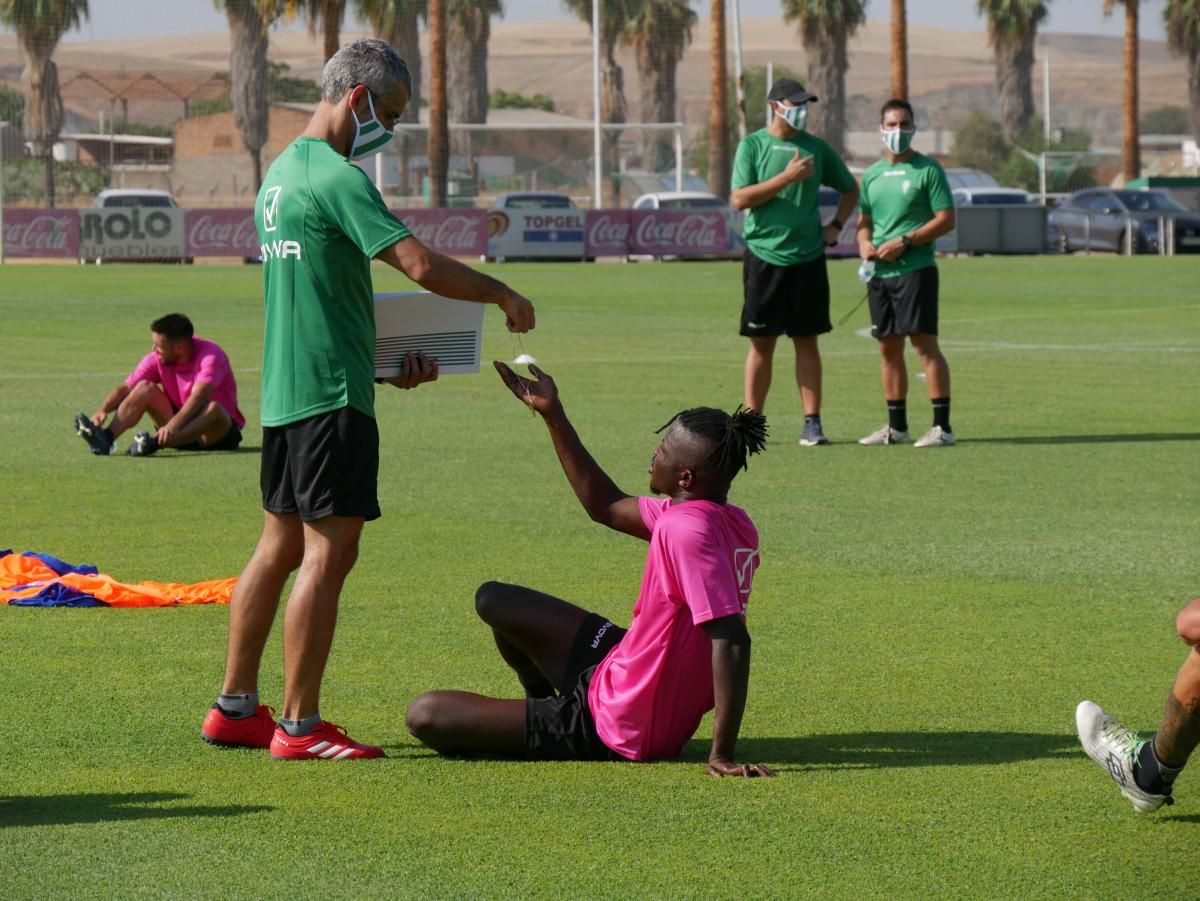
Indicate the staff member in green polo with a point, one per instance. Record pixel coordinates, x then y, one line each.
776 176
906 206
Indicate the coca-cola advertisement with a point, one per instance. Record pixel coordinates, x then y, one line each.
221 233
41 233
457 233
607 233
678 233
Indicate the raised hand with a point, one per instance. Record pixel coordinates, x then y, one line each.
539 394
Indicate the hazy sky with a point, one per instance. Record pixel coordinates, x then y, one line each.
113 19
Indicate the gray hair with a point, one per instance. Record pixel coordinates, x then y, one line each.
370 62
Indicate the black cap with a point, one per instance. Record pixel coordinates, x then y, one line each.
789 89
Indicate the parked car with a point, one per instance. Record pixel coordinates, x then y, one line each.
1123 221
122 197
533 200
698 200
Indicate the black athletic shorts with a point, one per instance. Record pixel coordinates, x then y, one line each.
326 465
562 728
229 441
791 300
904 305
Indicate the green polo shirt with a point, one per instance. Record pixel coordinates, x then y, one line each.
786 230
900 198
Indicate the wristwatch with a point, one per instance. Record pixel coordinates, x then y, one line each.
906 240
835 223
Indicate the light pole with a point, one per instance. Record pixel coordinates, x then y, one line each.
3 125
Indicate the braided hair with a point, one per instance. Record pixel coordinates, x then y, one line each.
734 436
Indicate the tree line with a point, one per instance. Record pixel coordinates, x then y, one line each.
657 32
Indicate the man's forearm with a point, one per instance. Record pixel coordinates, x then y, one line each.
450 278
846 206
592 485
731 682
114 398
752 196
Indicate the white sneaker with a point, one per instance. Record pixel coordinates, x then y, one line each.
936 437
884 435
1115 750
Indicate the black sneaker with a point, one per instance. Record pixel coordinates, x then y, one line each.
99 443
143 445
813 436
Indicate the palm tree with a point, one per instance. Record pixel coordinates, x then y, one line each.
39 25
1012 32
397 22
899 49
324 16
826 27
248 24
439 147
718 111
1131 164
615 16
466 65
659 33
1182 18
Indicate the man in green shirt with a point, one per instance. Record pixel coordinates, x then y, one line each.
776 176
906 205
320 223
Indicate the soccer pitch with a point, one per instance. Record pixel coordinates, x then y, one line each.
924 622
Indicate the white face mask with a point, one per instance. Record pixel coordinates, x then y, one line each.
898 140
794 116
370 137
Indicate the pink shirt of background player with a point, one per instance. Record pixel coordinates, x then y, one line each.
649 694
209 365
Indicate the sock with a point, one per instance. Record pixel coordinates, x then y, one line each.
941 413
815 417
237 706
1151 774
107 433
897 415
301 726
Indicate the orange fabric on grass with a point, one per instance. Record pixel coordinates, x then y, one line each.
17 571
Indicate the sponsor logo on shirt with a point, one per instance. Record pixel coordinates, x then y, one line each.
905 186
280 250
271 207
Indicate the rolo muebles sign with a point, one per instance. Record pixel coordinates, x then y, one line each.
132 233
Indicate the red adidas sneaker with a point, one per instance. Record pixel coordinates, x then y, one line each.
326 742
244 732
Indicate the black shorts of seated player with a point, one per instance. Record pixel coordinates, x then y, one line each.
779 300
325 465
904 304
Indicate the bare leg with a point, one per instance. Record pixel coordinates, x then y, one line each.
808 373
533 631
937 370
256 598
892 371
143 398
209 426
758 371
459 721
1179 733
330 549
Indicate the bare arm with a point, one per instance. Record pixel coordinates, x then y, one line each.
110 403
450 278
845 207
731 682
941 223
866 249
604 502
192 407
750 196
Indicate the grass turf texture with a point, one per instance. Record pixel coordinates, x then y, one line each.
924 621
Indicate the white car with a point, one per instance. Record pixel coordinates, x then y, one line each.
125 197
698 200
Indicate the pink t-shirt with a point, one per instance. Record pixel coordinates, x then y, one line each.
208 365
649 694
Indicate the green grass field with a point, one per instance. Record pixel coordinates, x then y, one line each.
924 621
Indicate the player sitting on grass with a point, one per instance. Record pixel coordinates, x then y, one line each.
186 386
1145 769
594 691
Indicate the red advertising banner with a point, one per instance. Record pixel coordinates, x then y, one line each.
458 233
221 233
607 233
41 233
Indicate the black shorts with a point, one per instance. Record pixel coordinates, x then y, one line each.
326 465
562 728
231 440
791 300
904 305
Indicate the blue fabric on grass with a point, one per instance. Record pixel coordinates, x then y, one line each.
61 567
58 595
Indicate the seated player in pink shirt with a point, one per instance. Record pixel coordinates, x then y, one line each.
595 691
185 384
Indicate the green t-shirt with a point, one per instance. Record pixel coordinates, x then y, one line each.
320 222
786 230
900 198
